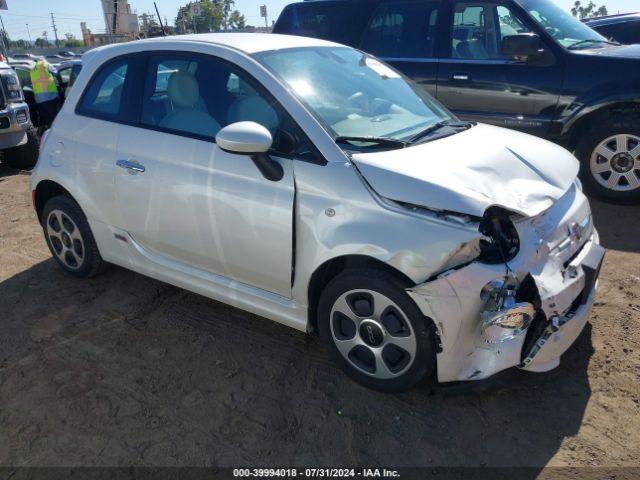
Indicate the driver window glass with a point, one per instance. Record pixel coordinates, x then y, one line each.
509 23
474 33
197 96
478 30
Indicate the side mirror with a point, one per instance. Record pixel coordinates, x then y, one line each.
245 138
521 46
254 140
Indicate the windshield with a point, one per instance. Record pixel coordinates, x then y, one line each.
354 95
561 25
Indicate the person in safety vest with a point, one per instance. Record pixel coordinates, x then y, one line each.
45 92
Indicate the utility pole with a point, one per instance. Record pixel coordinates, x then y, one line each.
28 32
55 30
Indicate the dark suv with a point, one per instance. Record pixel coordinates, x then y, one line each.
522 64
623 28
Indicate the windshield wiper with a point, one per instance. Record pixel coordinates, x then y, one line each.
381 141
437 126
590 40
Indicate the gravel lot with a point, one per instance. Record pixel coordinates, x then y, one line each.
124 370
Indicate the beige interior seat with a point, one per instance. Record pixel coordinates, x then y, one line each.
184 94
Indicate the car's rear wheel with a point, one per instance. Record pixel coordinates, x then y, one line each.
375 332
25 156
609 155
69 238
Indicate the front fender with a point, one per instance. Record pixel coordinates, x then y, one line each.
338 216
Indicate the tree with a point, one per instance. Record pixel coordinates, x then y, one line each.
588 11
41 42
208 16
71 41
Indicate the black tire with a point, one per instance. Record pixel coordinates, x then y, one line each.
25 156
91 262
598 133
376 280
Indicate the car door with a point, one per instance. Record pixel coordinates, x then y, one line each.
404 35
477 82
186 201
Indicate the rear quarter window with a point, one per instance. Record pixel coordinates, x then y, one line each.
335 21
103 97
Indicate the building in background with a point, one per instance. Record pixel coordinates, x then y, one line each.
121 25
118 18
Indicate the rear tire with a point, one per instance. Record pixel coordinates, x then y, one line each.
25 156
609 155
375 331
69 238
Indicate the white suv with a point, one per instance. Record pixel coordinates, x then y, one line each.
312 184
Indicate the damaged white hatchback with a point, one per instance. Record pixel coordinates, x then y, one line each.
312 184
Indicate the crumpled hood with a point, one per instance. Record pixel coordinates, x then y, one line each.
473 170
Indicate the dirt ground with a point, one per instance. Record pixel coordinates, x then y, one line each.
124 370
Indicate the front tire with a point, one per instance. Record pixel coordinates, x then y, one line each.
25 156
375 331
69 238
609 155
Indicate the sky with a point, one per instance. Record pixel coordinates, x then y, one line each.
69 13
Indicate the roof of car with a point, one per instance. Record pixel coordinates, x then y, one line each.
246 42
611 19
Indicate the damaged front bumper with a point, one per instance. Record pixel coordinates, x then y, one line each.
556 270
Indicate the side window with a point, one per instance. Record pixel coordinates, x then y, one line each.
103 96
402 30
509 23
473 34
65 74
25 77
199 95
478 30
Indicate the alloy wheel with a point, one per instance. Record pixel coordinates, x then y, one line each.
373 334
615 162
65 239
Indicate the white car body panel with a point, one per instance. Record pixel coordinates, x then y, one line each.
207 221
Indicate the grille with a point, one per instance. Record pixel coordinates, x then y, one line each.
4 123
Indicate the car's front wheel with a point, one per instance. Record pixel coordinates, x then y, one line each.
609 155
375 331
69 237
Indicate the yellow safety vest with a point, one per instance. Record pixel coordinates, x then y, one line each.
44 85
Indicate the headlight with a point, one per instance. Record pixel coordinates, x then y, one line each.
502 242
12 87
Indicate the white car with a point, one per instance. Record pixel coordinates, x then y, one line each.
312 184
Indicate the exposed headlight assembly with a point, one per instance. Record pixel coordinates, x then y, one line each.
501 242
503 318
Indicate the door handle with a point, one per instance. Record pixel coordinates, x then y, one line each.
131 166
461 77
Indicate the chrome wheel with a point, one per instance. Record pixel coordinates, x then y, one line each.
65 239
615 162
373 334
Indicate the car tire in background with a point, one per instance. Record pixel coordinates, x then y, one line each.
25 156
69 237
609 154
375 331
